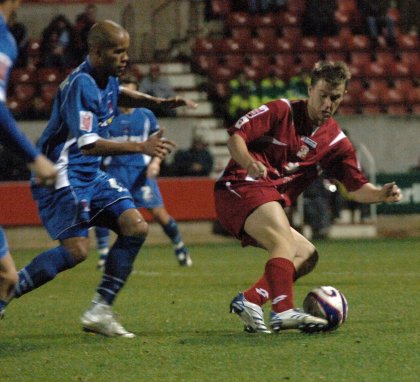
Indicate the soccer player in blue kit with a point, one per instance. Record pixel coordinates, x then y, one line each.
11 136
75 139
138 173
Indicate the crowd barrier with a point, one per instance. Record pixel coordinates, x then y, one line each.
186 199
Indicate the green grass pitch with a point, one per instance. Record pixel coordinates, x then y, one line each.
184 331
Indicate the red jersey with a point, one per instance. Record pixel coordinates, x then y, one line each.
281 135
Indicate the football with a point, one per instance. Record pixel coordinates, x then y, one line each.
329 303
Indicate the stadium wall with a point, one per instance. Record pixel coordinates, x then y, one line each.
186 199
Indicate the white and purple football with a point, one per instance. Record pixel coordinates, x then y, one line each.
329 303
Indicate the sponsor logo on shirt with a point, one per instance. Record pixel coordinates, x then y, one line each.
303 152
86 121
259 110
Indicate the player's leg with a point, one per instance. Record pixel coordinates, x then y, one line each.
132 230
8 274
269 226
171 229
102 245
47 265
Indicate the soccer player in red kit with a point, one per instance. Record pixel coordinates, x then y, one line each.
277 151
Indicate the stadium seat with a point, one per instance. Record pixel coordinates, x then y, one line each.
257 45
392 96
204 63
378 85
241 33
253 73
308 44
20 76
292 33
336 56
232 46
343 17
373 69
307 60
408 42
266 20
49 75
371 109
332 44
18 107
398 110
288 18
369 97
234 61
220 8
260 61
238 19
405 85
221 73
360 59
358 42
347 109
283 45
24 91
204 46
284 61
398 69
222 90
267 34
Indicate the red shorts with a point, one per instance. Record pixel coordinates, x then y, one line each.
236 201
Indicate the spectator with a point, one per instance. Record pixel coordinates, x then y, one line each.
84 21
57 44
243 96
272 87
156 85
265 6
20 34
195 161
319 18
375 17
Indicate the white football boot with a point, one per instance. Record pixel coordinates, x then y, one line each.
251 314
100 318
296 319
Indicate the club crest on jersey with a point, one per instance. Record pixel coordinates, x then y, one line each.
86 121
303 152
110 107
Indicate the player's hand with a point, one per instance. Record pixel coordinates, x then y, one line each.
257 170
391 193
158 146
44 170
178 101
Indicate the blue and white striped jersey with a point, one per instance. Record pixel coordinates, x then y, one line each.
81 115
136 126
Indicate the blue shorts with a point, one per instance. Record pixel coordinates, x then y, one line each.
145 191
70 211
4 247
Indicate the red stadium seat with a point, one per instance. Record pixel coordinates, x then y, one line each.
307 60
378 85
241 33
18 107
371 109
260 61
360 59
234 61
283 45
399 110
369 97
336 56
221 73
346 109
253 73
205 62
238 19
398 69
392 96
232 46
374 69
343 17
51 75
24 91
332 44
222 90
358 42
308 44
291 33
408 41
220 8
22 76
204 46
266 20
288 18
267 34
257 45
284 61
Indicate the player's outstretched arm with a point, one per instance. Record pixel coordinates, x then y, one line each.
368 193
156 145
132 98
44 170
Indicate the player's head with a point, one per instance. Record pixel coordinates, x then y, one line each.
8 7
326 90
108 48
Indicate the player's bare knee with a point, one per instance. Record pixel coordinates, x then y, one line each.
138 228
79 250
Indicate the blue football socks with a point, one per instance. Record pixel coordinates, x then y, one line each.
42 269
172 231
118 266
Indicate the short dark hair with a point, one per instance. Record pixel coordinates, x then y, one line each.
334 73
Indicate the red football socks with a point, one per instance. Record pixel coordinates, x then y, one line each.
259 293
279 273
